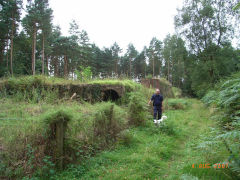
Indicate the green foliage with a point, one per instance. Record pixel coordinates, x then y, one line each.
149 76
29 88
211 56
175 55
108 123
226 98
237 7
126 138
161 154
177 104
177 92
128 84
138 110
85 74
58 116
154 53
47 171
36 89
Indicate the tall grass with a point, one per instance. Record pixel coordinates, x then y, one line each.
166 152
25 148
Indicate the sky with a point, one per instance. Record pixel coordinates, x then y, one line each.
121 21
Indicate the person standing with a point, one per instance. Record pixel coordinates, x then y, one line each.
157 100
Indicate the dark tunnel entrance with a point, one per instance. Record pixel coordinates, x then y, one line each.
110 95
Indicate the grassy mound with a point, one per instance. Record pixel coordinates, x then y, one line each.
37 88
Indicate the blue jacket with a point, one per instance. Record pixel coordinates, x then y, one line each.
157 99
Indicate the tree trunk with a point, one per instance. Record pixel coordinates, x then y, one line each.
153 68
130 67
2 48
160 70
65 67
43 44
211 70
47 64
153 65
56 69
7 54
179 77
34 49
11 51
116 72
168 69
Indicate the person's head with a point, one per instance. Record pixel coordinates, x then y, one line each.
157 91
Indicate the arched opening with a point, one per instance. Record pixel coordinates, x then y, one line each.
110 95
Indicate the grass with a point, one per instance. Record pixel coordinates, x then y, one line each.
143 152
146 152
23 125
157 153
23 80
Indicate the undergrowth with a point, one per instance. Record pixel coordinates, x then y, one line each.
26 116
225 100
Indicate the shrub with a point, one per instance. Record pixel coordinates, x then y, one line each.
210 98
23 152
31 89
177 104
226 97
126 138
57 116
138 110
108 122
85 74
177 92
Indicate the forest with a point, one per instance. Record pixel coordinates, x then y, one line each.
194 59
199 64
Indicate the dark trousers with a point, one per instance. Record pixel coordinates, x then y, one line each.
157 110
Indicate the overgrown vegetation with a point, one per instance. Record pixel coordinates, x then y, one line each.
225 99
50 89
177 104
166 152
114 138
138 112
85 74
30 151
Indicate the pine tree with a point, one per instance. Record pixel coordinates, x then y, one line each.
46 27
115 53
31 23
154 53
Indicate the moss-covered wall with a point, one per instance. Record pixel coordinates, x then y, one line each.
86 92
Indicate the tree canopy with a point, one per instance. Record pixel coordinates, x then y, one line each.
194 58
